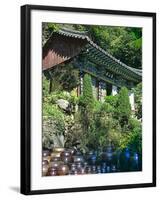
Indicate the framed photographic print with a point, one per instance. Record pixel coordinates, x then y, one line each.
88 99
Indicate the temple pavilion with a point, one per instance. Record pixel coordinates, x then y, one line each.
108 73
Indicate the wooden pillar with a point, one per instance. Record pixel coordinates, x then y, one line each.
50 85
78 91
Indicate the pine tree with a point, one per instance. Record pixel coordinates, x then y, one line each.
123 106
87 104
87 98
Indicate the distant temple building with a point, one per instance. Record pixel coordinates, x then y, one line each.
108 73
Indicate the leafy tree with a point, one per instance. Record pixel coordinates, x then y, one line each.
123 106
133 139
112 100
122 42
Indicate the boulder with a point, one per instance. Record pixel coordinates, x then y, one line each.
63 104
53 133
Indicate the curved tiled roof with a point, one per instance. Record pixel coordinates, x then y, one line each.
102 57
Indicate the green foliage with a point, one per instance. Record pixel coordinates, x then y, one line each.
87 99
53 133
45 86
53 118
112 100
93 123
69 77
114 136
47 29
97 106
104 127
53 27
134 123
122 42
107 108
52 98
54 113
133 139
73 100
135 142
64 77
123 110
138 100
53 126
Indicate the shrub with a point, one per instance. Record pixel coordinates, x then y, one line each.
53 126
53 133
112 100
133 139
114 136
134 123
97 106
106 128
138 100
136 139
107 108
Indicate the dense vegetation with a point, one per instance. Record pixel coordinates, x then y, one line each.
83 121
93 124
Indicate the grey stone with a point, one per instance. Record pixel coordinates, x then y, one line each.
52 134
63 104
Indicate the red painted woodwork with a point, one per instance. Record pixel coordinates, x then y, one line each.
60 48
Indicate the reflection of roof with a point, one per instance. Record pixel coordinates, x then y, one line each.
103 58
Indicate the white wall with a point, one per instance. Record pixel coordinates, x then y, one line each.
131 99
114 90
10 95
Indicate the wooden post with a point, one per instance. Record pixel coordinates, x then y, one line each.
78 91
51 85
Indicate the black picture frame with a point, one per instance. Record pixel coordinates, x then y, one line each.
26 98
